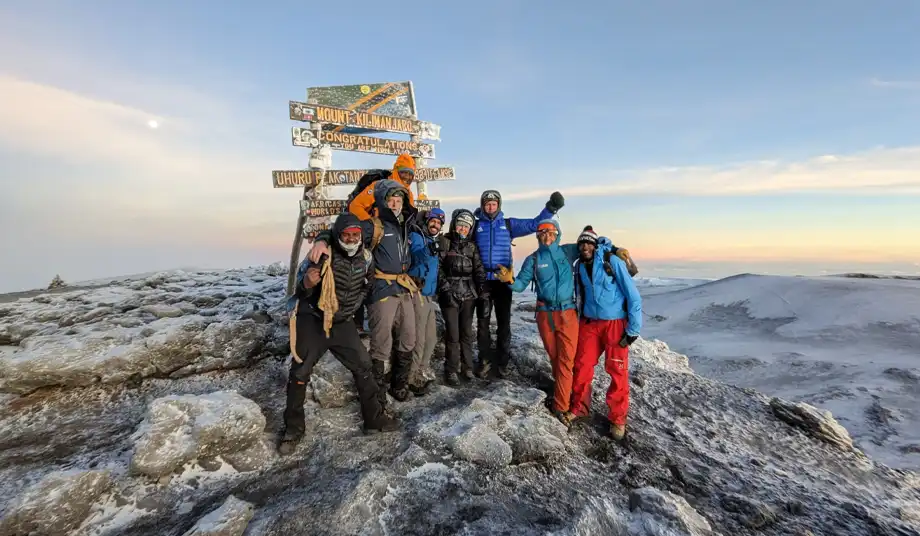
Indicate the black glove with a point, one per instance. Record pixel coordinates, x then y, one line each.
446 299
483 308
626 340
556 201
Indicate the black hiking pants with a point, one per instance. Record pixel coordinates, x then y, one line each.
345 345
458 323
500 296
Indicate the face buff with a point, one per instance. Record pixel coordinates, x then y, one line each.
350 248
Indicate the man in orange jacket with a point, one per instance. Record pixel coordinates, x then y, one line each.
403 173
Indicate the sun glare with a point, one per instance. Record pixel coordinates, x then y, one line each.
152 124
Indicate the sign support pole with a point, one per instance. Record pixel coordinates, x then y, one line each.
316 191
298 242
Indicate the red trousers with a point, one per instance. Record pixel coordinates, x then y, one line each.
594 338
559 331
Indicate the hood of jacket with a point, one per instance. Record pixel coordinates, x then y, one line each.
402 161
342 222
555 243
381 188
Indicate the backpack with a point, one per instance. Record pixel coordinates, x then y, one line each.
365 181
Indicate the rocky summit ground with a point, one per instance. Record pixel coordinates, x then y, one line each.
151 407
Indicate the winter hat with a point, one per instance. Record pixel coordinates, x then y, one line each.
588 235
396 191
465 218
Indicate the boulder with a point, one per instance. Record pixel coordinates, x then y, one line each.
662 512
230 519
57 504
817 423
277 269
179 429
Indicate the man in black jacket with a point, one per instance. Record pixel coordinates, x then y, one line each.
389 305
327 294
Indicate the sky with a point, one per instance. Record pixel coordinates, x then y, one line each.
709 138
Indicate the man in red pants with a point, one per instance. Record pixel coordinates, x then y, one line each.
611 317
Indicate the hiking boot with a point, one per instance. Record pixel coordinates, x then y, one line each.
383 425
423 390
618 431
561 416
467 375
503 372
484 370
401 395
451 379
288 444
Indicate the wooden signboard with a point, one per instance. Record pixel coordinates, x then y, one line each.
313 208
364 122
296 178
304 137
395 99
310 229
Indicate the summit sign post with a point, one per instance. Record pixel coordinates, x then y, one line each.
339 118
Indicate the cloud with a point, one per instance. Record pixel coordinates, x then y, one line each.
895 84
877 171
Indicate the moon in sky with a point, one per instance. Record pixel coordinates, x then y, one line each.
152 124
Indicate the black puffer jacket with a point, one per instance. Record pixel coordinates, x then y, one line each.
353 276
461 276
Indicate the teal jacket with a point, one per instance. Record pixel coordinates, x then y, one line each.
550 268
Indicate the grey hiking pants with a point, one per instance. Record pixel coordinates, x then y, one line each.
389 317
426 335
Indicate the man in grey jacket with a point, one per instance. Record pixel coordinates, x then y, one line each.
389 305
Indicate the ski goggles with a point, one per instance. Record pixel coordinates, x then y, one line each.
546 228
491 195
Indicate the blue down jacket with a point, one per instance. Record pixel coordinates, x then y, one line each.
493 237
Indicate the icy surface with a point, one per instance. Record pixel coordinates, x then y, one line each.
849 346
700 456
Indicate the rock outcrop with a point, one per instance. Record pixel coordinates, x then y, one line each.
181 429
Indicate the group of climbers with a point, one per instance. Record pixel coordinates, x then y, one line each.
388 256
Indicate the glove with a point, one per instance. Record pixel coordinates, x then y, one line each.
483 308
446 299
434 247
556 201
627 339
504 275
623 254
603 241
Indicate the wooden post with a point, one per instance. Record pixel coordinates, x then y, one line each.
298 242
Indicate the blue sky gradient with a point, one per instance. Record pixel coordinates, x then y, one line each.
772 137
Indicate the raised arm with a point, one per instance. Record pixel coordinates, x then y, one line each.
519 227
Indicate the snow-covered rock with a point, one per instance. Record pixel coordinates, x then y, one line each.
56 504
180 429
277 269
168 346
666 513
230 519
820 424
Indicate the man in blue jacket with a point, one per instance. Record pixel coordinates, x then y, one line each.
424 245
493 235
611 317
